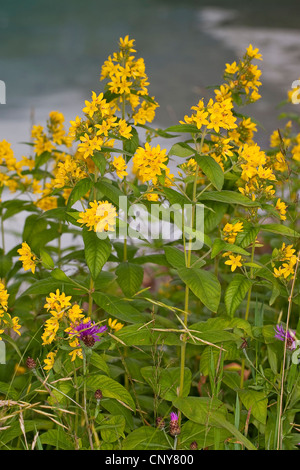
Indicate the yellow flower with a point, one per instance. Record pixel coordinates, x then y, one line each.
27 257
281 207
19 370
289 259
120 166
5 319
127 43
89 144
115 325
253 53
231 68
57 301
234 261
49 361
100 217
230 231
148 163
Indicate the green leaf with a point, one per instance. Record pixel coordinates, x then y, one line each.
45 286
258 403
112 428
177 259
220 245
47 261
99 361
228 197
174 197
100 162
112 192
130 145
165 382
191 432
139 335
236 292
201 409
181 150
58 439
279 229
212 170
59 275
247 236
110 388
96 252
203 284
191 129
80 189
146 438
130 277
118 308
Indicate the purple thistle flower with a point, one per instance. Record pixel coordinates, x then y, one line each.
173 416
88 332
290 335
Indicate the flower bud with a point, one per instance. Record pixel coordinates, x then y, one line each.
30 363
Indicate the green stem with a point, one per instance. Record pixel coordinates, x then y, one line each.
2 234
188 255
86 418
247 311
280 434
91 290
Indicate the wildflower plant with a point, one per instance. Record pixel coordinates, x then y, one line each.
135 342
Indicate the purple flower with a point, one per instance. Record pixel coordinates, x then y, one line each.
290 335
88 332
173 416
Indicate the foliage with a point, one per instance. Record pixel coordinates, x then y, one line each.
144 342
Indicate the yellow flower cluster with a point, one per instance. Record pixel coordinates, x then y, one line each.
49 361
68 173
64 317
100 216
148 163
244 132
129 82
288 258
256 174
230 231
115 325
120 166
7 160
216 115
6 321
27 257
281 207
43 142
99 127
242 78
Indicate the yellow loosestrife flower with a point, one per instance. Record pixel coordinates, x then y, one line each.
27 257
100 216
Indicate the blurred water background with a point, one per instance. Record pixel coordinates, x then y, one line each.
51 52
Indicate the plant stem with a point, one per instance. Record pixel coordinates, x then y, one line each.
247 311
91 298
2 235
279 435
188 255
86 418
